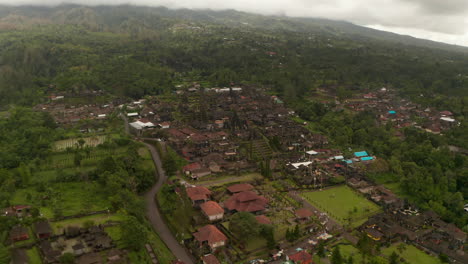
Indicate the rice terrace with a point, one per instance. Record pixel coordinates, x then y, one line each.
73 142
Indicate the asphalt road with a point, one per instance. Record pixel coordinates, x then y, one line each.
152 211
155 217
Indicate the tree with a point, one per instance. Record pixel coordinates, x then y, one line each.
444 258
4 254
267 232
321 249
77 159
336 256
244 225
134 234
350 260
67 258
394 258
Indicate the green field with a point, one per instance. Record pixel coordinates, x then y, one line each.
59 226
341 203
412 255
33 255
72 198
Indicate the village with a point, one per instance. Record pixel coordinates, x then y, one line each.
241 150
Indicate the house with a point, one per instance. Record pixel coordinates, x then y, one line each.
199 173
374 234
262 219
301 257
241 187
165 125
189 168
19 233
246 202
212 210
211 236
19 256
303 214
198 194
210 259
42 229
90 258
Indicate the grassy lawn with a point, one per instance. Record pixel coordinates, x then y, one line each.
412 255
34 257
341 202
59 226
348 250
255 243
73 198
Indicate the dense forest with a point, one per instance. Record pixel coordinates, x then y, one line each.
133 51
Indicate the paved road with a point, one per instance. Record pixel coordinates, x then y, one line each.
152 211
155 217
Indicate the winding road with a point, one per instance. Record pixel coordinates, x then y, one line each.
155 217
152 211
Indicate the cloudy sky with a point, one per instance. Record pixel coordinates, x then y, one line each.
440 20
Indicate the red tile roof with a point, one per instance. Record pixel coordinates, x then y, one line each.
301 257
198 193
263 219
210 234
210 259
241 187
192 167
211 208
304 213
246 202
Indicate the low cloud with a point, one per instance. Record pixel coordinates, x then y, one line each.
444 19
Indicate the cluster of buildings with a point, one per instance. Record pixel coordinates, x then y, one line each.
402 112
69 110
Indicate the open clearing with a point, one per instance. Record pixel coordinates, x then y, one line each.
412 255
341 203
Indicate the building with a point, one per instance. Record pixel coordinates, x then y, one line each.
42 229
19 256
19 233
212 210
301 257
246 202
262 219
210 259
211 236
198 194
241 187
303 214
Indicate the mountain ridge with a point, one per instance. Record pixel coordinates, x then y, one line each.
104 17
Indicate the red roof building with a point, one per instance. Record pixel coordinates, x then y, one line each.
191 167
304 213
261 219
212 210
198 194
301 257
211 236
246 202
210 259
241 187
19 233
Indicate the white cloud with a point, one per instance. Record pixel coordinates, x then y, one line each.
440 20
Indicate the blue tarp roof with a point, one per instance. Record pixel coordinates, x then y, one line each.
392 112
349 161
361 154
367 158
